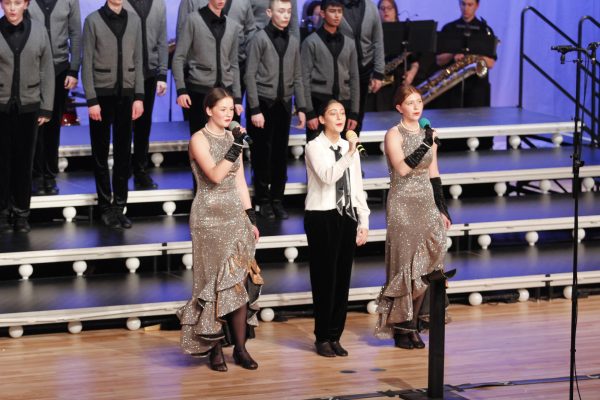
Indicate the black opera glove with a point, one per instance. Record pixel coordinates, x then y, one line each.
236 148
416 156
438 195
251 215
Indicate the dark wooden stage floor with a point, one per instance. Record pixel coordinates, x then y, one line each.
492 342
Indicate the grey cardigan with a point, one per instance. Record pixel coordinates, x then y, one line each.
36 72
259 8
371 40
239 11
64 28
196 49
154 39
318 72
263 69
101 58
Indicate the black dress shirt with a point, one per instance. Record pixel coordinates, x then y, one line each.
335 44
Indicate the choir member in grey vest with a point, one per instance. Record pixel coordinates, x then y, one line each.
153 17
113 80
273 75
26 97
361 23
329 69
208 48
62 20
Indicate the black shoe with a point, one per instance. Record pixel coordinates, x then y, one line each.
416 340
279 211
123 220
402 341
143 181
438 275
5 227
37 187
243 359
110 219
324 349
266 211
338 349
50 187
21 225
216 359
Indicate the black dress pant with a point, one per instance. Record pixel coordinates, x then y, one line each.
196 114
17 144
365 80
331 245
269 151
116 113
45 165
141 129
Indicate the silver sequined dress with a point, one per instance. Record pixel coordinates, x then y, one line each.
223 254
415 240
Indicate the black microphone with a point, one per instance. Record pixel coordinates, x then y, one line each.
426 124
234 127
564 48
361 150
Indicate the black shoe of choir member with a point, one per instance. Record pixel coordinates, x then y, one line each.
110 219
21 225
217 360
5 226
266 211
437 275
402 341
143 181
243 359
50 187
324 349
416 340
123 220
279 211
37 187
338 349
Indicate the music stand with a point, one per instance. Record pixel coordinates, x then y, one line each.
413 36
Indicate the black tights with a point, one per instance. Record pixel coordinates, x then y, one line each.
237 323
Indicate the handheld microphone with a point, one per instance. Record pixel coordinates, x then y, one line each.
234 127
426 124
361 150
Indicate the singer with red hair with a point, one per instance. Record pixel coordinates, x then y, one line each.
227 279
336 220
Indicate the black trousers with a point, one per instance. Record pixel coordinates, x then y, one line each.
141 129
48 140
331 245
17 145
198 117
116 113
365 79
269 151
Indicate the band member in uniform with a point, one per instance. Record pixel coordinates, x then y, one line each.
273 75
153 16
113 79
361 23
329 69
26 97
208 47
62 20
336 220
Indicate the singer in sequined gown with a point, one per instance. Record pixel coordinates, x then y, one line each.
416 223
226 279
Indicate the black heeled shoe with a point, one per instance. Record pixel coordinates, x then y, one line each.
338 349
217 360
416 340
324 349
402 341
243 359
437 275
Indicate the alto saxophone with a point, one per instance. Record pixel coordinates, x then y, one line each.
445 79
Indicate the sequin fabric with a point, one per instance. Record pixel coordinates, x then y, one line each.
225 272
415 240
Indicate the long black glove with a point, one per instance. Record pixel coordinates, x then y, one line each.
438 195
416 156
251 215
236 148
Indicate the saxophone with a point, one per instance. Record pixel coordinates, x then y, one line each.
445 79
390 67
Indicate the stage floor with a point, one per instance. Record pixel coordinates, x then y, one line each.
490 343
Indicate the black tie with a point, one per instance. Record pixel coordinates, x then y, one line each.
342 190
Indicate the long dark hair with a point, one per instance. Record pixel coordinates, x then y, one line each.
214 96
